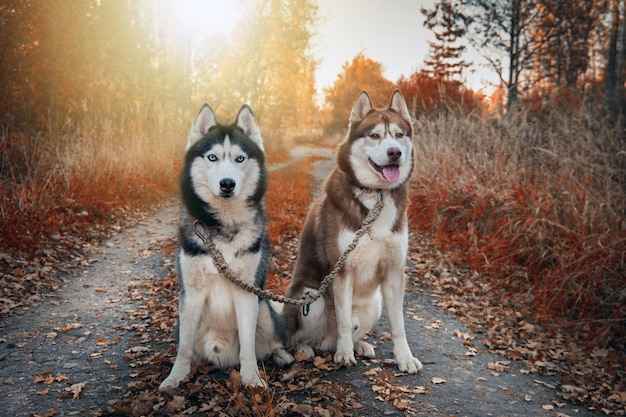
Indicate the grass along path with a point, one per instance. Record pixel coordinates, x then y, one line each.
102 343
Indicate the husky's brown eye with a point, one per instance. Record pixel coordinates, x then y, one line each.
374 136
399 135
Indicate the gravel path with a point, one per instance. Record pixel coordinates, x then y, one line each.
66 355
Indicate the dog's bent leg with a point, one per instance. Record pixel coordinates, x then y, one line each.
190 308
393 298
342 289
272 335
364 317
247 313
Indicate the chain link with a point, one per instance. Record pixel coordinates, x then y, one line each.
309 297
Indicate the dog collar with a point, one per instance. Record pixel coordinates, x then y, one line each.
361 190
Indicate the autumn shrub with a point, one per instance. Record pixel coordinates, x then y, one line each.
535 203
72 181
288 199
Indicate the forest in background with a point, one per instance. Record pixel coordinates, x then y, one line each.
97 98
65 63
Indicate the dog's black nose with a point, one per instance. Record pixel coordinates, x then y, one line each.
227 185
394 153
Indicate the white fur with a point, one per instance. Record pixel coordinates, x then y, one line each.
218 321
232 311
375 269
379 251
366 149
230 162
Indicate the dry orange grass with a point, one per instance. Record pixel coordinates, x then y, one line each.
288 199
538 204
76 181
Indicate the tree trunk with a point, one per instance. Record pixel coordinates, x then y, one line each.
514 54
619 99
611 66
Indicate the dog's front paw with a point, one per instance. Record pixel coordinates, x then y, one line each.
345 358
170 382
179 372
251 378
409 364
364 349
282 358
307 350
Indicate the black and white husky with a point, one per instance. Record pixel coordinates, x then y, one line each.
376 155
223 183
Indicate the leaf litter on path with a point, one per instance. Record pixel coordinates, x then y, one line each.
456 358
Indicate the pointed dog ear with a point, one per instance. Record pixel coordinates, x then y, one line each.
362 106
398 104
247 122
204 121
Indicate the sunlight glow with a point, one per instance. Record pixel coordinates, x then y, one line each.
203 18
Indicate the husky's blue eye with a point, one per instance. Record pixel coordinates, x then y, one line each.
211 157
240 158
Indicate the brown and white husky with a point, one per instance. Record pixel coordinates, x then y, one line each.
376 155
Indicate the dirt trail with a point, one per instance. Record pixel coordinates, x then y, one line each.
65 356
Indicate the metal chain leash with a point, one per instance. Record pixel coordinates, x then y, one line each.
309 297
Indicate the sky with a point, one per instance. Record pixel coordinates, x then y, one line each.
387 31
390 32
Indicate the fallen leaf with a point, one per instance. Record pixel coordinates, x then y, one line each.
499 366
44 379
465 336
68 327
380 389
435 325
436 380
372 371
176 404
76 389
599 353
47 378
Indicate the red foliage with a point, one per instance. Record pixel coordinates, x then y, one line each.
361 74
528 240
39 211
288 199
425 94
563 99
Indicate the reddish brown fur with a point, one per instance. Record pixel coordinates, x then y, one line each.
337 209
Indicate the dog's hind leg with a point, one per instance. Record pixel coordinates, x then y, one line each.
189 315
272 335
364 316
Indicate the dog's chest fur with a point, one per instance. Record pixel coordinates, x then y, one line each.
200 276
382 247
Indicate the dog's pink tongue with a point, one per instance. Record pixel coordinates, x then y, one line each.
391 173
